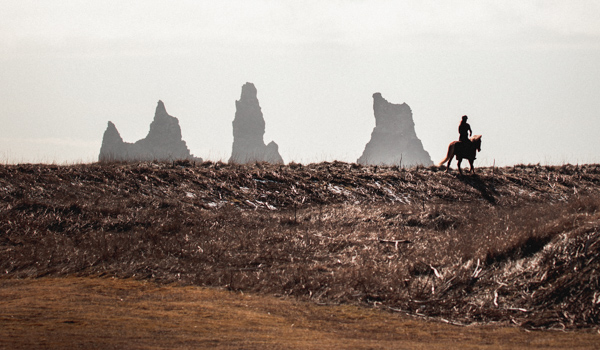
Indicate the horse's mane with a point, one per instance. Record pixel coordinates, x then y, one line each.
476 139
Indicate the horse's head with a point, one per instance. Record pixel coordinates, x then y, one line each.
476 142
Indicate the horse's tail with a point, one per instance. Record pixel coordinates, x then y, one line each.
449 155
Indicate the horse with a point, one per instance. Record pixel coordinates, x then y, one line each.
463 150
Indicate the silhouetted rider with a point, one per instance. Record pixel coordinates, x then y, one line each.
464 130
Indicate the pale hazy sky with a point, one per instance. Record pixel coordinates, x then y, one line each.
526 72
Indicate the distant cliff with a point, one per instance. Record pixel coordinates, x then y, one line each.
248 131
394 140
163 142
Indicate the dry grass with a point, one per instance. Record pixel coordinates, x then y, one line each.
513 245
107 313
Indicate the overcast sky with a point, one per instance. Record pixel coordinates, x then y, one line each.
525 72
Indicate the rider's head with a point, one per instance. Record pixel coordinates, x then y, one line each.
464 118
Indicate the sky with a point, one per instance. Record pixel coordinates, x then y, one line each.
527 73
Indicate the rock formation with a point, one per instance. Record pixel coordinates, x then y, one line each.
248 131
394 140
163 142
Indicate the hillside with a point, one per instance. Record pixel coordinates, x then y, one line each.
512 245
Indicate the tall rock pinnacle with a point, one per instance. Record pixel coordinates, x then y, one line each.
113 147
394 140
248 131
163 141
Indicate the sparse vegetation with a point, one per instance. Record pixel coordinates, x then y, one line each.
515 245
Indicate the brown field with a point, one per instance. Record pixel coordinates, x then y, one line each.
514 247
108 313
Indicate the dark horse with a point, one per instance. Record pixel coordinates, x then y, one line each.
463 150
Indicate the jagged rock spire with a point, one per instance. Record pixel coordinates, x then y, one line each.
249 129
113 148
163 142
394 140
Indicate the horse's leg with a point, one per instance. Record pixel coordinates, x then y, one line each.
449 157
459 160
472 167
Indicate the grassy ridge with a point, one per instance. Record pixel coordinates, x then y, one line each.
515 245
